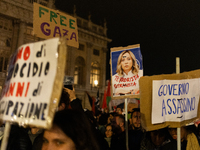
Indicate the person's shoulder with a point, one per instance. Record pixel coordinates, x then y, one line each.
169 145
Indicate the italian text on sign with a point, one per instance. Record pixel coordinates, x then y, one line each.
175 100
27 92
126 70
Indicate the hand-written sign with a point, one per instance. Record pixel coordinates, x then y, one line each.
174 100
48 23
27 91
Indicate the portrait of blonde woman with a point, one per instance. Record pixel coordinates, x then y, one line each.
125 81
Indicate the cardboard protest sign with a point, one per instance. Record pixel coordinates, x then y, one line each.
49 23
169 100
126 70
174 100
33 86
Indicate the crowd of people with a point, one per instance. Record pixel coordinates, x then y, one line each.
77 129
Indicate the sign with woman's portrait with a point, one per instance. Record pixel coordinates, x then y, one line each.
126 70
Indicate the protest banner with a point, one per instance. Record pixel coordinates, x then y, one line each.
33 86
49 23
126 70
169 100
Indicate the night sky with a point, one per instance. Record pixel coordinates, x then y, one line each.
164 29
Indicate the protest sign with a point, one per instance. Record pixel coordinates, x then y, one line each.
174 100
49 23
169 100
33 86
126 70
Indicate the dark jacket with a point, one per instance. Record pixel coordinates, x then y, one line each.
135 138
118 141
19 139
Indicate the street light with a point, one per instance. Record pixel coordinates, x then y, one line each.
96 82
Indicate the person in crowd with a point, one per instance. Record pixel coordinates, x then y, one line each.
136 119
118 141
129 120
108 134
31 138
153 140
125 81
19 139
72 133
111 115
36 134
75 104
188 139
136 132
102 123
119 110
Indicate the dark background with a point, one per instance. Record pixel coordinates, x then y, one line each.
165 29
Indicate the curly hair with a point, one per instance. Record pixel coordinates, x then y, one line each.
135 67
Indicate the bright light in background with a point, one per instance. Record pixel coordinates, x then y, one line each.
95 82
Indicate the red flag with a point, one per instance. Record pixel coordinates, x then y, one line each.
104 100
108 90
108 98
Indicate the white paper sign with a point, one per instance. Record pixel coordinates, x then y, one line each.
174 100
26 94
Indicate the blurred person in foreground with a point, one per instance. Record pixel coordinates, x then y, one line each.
71 130
36 134
69 102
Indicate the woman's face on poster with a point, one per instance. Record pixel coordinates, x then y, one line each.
126 62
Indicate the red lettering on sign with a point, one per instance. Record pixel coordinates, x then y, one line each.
11 89
27 89
117 78
20 88
27 53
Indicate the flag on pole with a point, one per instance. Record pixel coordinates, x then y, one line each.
90 98
108 98
92 102
104 105
97 106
